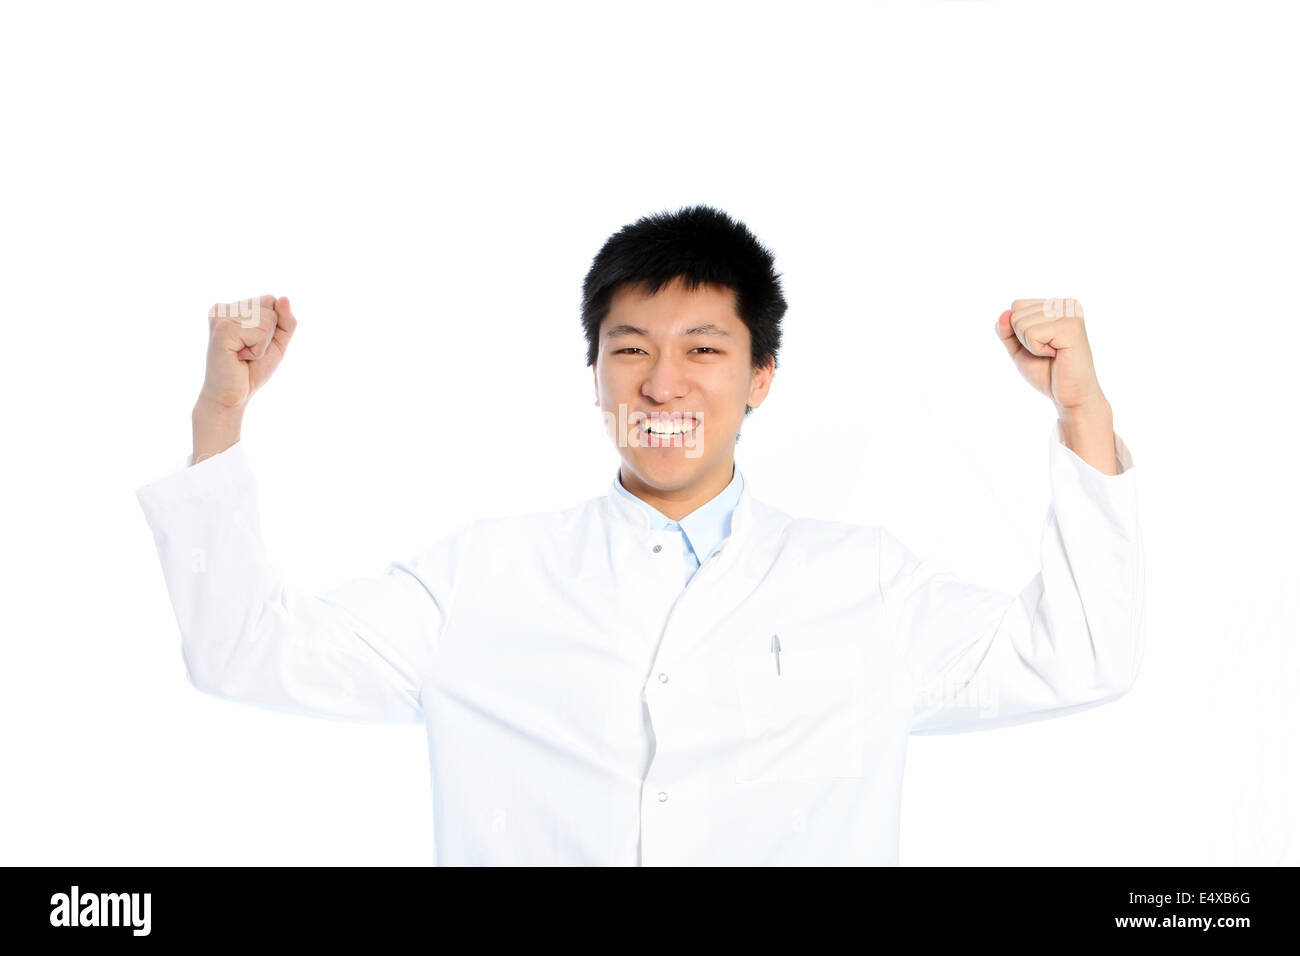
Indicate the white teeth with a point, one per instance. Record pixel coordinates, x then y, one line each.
668 428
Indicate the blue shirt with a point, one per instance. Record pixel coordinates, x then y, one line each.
703 528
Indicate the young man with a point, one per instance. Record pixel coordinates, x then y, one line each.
673 672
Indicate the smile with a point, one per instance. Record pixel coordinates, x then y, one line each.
668 427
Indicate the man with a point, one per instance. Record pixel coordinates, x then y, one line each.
673 672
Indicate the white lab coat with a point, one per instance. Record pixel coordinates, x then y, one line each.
583 707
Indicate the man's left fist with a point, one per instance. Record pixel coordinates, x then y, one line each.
1047 341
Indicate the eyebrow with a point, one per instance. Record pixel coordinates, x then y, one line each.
709 328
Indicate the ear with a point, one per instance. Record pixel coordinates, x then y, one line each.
760 382
595 383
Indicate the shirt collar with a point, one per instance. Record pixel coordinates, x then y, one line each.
723 516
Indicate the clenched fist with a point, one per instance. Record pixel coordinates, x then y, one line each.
246 342
1047 341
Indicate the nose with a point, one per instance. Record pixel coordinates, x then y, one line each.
667 380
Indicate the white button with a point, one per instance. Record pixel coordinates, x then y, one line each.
658 548
662 796
663 678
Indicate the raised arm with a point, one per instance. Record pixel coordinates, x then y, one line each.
1073 637
361 651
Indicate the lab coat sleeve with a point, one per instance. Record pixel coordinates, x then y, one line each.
359 652
978 659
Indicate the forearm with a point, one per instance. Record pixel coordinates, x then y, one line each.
215 429
1089 432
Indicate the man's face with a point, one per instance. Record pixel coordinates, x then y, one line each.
677 362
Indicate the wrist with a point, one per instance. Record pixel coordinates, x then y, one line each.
216 428
210 409
1094 411
1089 431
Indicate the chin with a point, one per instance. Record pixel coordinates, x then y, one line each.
663 468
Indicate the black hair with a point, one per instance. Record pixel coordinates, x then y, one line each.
701 245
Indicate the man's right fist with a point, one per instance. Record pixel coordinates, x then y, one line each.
246 342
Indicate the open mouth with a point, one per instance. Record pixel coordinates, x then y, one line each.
667 430
669 427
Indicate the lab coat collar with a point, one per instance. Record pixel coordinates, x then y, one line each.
624 510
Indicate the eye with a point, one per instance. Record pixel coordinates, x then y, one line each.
633 348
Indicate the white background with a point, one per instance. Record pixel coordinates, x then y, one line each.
428 184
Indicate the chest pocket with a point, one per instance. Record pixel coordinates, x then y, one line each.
807 722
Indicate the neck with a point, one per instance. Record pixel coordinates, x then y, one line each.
677 503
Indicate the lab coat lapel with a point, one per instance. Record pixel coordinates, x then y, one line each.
719 588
